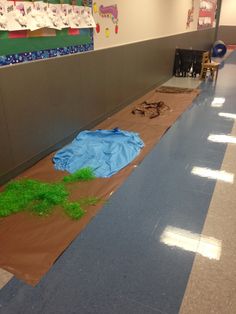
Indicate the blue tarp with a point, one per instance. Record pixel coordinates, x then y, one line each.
105 151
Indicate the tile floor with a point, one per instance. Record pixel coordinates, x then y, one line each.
165 242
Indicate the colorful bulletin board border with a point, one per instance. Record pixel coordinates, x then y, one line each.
18 47
43 54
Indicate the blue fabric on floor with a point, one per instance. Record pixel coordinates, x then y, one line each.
105 151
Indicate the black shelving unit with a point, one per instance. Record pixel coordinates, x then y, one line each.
188 62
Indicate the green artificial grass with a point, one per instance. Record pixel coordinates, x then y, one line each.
31 195
40 197
85 174
74 210
89 201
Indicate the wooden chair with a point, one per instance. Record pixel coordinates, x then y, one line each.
208 65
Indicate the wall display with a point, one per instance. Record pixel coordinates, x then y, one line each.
16 16
98 28
107 32
36 18
87 20
43 54
190 17
111 12
95 7
75 17
81 17
47 32
132 21
3 17
53 12
64 14
207 14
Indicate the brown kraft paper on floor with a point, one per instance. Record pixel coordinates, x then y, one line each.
29 245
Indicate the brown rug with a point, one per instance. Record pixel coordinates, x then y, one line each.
174 90
29 245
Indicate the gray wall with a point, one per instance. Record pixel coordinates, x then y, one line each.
44 103
227 34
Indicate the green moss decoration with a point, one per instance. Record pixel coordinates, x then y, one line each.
89 201
74 210
41 198
32 195
85 174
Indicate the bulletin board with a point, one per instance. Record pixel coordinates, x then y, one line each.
22 46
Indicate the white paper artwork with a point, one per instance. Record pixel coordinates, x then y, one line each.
35 15
87 20
16 16
3 16
64 14
54 15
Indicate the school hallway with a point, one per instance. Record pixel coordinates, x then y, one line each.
165 240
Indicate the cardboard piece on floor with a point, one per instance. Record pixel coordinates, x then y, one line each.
29 245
